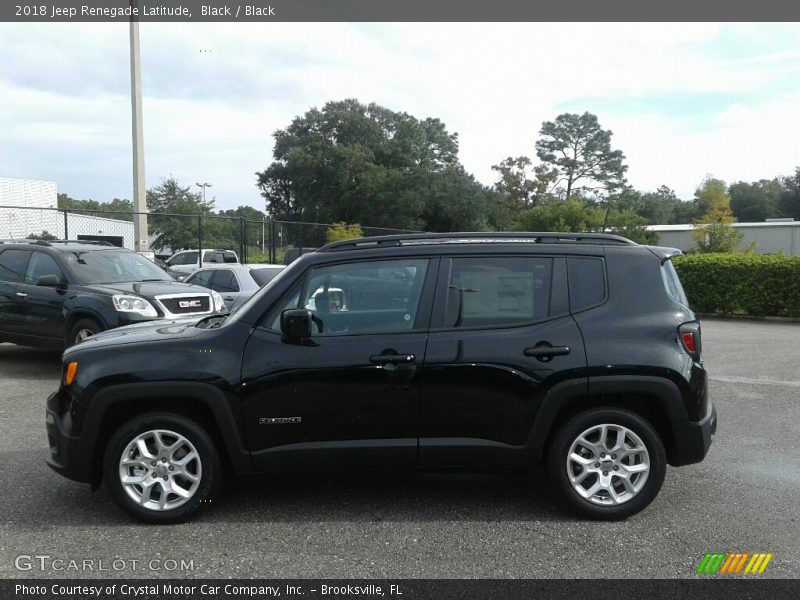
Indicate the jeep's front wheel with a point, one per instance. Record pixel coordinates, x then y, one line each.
607 463
161 467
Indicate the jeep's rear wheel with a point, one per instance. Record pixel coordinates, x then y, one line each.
607 463
161 467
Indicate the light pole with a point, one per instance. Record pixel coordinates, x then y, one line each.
200 226
204 186
139 198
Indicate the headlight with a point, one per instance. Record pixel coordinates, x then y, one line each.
133 304
219 303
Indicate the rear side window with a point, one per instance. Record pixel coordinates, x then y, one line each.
229 257
587 282
224 281
187 258
12 264
673 283
498 292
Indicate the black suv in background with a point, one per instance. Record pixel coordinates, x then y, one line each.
58 293
433 351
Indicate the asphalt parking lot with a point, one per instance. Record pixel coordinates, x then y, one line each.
744 497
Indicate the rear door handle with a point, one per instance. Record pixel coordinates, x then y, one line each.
22 294
392 359
545 352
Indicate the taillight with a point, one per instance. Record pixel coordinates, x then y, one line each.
689 334
688 341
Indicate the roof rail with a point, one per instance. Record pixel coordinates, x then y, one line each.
82 242
25 241
504 237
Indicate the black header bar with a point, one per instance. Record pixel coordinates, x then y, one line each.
397 10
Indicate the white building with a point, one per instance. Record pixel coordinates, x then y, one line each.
771 237
27 198
30 206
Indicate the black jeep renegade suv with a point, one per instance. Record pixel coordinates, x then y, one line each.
430 351
58 293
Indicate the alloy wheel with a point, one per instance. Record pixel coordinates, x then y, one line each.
160 470
608 464
83 334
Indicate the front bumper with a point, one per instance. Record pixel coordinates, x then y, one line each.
68 455
693 438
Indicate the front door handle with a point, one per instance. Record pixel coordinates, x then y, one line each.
22 294
545 352
392 359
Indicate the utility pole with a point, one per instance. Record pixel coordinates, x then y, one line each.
139 195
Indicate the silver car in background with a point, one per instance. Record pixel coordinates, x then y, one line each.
235 282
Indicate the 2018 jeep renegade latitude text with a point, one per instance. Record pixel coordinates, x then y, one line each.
425 351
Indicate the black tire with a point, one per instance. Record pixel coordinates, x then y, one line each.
210 473
84 324
559 450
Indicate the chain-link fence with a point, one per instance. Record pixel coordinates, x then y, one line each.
264 240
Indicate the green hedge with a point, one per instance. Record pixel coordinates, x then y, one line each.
740 283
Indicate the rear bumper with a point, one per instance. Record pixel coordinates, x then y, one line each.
693 438
67 455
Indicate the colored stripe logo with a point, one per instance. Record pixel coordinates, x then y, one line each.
734 563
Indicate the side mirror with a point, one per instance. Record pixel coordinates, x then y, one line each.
49 281
296 325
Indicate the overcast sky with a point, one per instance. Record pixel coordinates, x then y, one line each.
683 100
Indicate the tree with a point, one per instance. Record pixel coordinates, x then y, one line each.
523 184
44 235
121 208
343 231
757 201
715 232
789 202
571 215
659 207
367 164
178 232
631 225
580 151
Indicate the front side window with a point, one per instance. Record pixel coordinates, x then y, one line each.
40 265
202 278
498 292
363 297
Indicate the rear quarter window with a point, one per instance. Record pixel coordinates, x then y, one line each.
587 282
673 283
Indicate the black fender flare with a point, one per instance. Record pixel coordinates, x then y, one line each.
107 398
666 393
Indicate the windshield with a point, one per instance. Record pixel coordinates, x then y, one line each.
114 266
